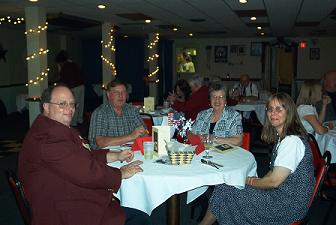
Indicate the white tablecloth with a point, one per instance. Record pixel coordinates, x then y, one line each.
149 189
259 108
326 142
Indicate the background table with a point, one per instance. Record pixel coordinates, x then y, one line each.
259 107
149 189
326 142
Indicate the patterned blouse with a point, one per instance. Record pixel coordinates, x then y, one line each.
230 123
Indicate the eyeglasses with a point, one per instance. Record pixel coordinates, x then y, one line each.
220 97
64 105
277 109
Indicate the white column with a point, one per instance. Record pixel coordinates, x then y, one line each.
153 64
108 54
37 66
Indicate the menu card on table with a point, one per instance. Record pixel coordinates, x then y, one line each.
161 136
149 104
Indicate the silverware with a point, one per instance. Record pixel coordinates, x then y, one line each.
209 163
216 164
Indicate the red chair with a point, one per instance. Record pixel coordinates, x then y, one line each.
321 173
20 198
246 141
148 120
330 181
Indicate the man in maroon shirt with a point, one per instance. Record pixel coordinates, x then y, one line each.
65 182
198 101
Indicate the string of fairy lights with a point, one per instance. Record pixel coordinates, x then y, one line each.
112 48
41 53
154 57
11 20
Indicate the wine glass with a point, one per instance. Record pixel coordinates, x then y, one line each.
207 141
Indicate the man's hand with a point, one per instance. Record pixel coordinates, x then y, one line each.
126 155
138 132
130 169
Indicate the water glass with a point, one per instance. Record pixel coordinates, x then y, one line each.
208 142
148 149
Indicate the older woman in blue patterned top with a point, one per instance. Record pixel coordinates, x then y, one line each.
222 123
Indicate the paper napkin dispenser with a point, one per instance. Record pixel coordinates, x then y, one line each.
160 135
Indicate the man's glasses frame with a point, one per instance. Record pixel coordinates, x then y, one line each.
63 105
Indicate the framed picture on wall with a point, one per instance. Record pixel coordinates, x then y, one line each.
256 49
221 54
233 49
314 54
242 50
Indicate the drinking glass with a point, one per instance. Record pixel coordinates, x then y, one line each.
208 142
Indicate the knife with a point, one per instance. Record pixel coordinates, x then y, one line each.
209 163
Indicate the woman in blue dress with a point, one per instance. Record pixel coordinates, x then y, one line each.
282 196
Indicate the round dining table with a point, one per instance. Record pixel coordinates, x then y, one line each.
158 182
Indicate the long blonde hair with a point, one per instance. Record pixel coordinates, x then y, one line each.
310 93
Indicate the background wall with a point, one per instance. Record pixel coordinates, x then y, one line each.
13 73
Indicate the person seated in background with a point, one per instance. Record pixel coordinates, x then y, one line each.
197 102
329 88
65 182
245 90
310 94
282 196
115 122
70 75
182 90
223 124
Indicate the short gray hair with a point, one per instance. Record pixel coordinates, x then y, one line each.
196 80
217 86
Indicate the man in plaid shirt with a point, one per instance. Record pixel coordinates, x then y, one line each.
116 122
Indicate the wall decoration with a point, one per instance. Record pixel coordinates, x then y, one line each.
3 53
233 49
314 54
256 49
242 50
221 54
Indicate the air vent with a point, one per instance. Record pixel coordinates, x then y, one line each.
248 13
197 20
69 21
307 24
135 16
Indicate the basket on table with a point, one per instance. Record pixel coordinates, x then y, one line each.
180 153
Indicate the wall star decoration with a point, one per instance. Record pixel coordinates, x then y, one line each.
3 53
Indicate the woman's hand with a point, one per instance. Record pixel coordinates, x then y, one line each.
171 98
126 155
130 169
249 180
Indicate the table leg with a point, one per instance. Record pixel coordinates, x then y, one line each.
173 210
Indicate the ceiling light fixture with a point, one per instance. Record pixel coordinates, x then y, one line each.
190 34
33 0
101 6
174 29
259 28
148 21
253 18
242 1
262 33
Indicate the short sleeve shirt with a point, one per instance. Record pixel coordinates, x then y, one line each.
304 110
290 152
107 123
230 123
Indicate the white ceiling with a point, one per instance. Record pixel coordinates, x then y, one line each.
281 17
